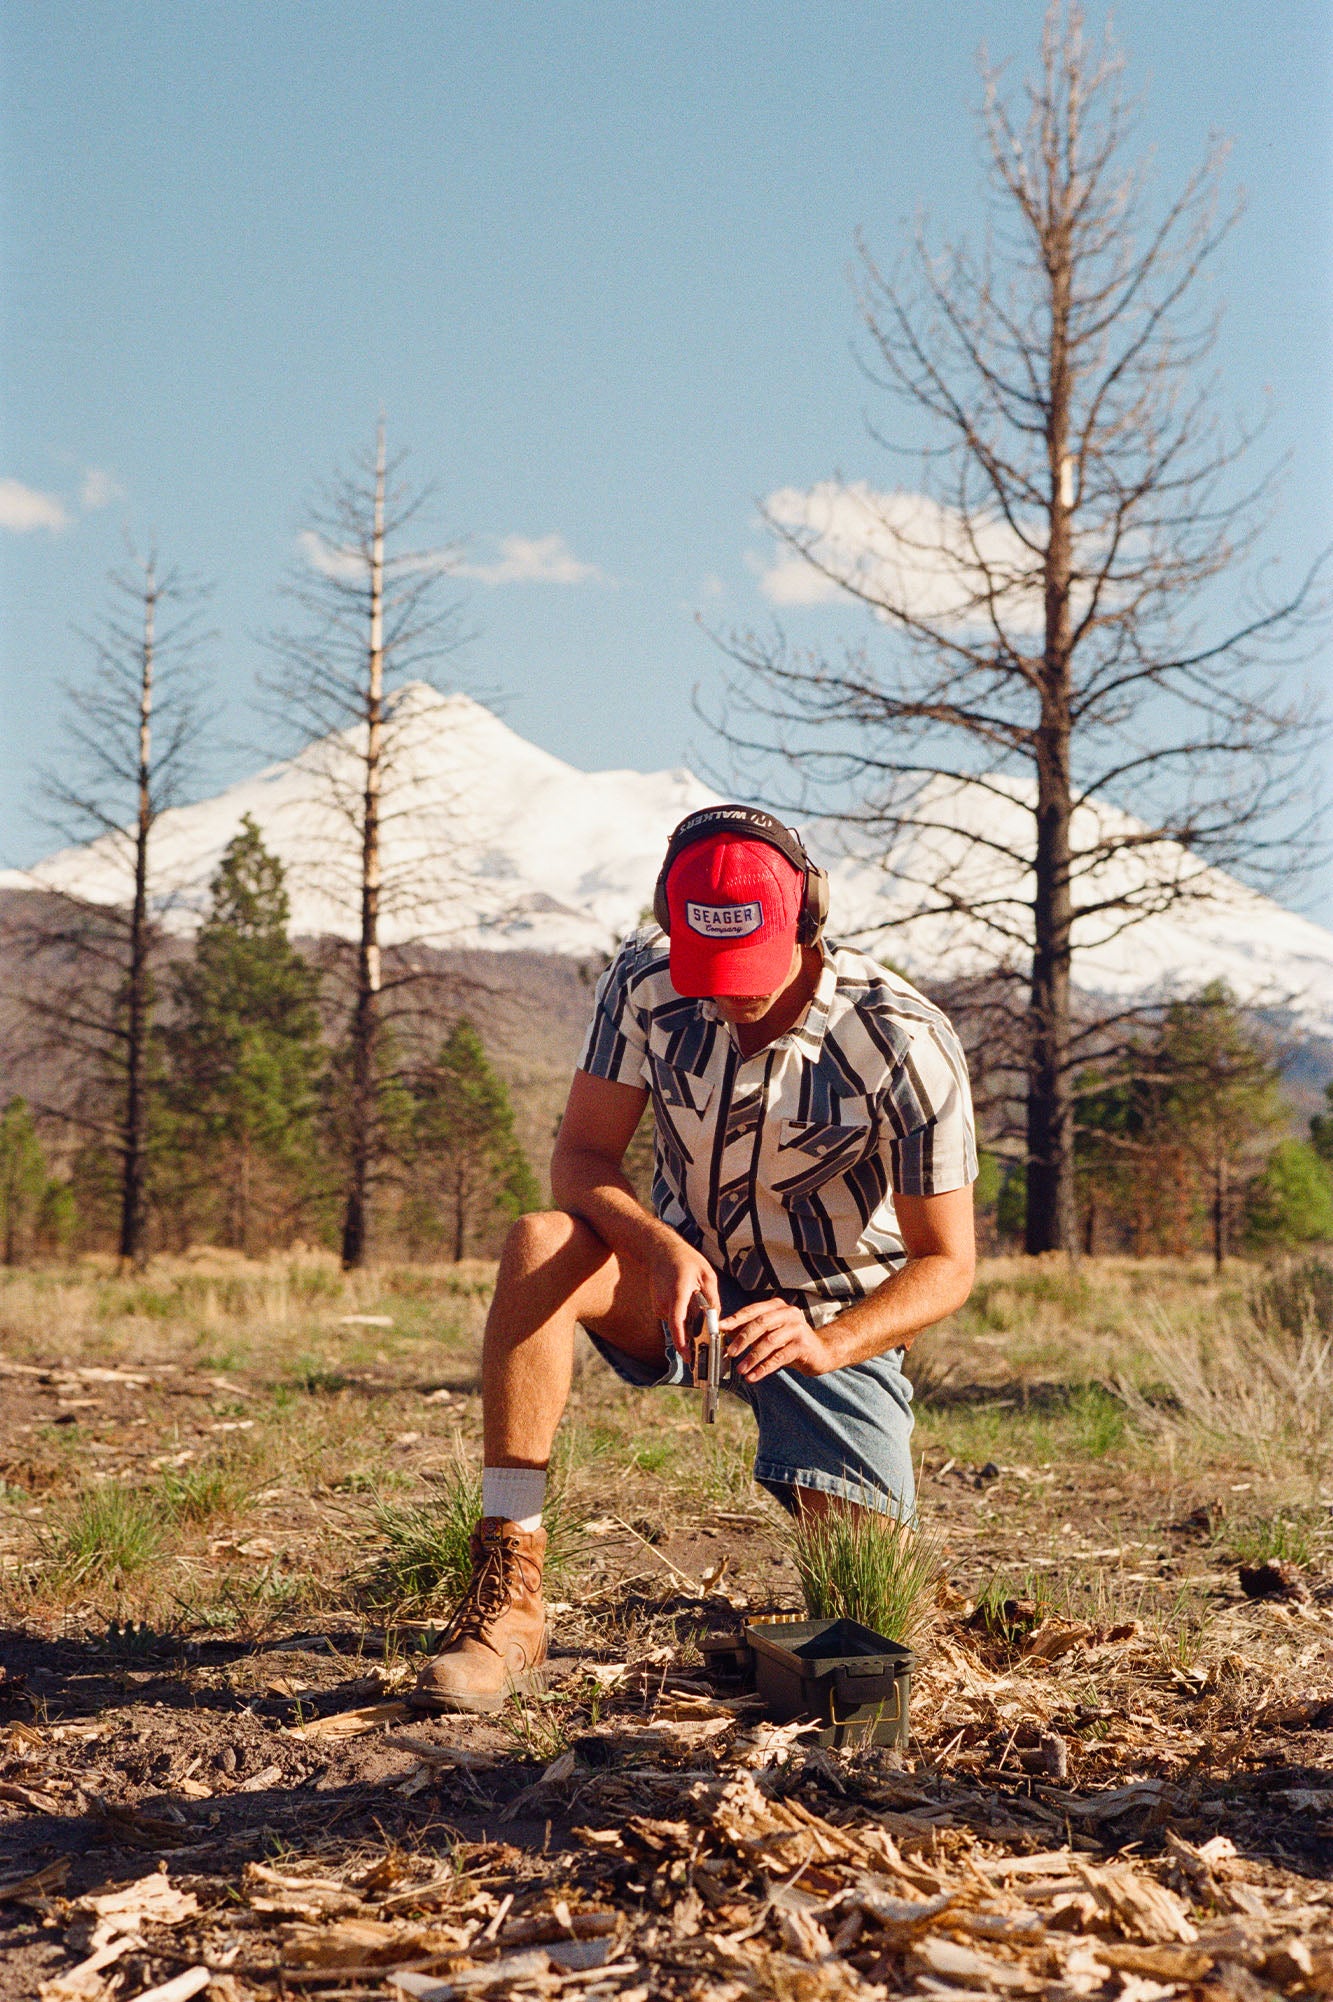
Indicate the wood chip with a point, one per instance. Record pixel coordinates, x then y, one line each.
471 1980
351 1943
546 1931
1050 1863
1164 1963
1053 1638
352 1723
38 1884
152 1900
29 1797
962 1963
84 1980
179 1989
464 1757
1144 1908
257 1782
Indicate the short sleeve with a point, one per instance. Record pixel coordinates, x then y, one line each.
932 1144
616 1046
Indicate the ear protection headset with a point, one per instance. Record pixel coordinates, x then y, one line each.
752 825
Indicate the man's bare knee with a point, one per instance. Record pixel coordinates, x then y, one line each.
539 1235
544 1237
551 1260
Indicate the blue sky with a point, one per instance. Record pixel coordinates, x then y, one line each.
591 259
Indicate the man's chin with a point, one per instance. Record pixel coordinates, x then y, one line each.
747 1008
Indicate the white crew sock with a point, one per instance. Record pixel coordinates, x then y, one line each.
516 1493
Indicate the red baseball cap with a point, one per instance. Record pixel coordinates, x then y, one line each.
734 906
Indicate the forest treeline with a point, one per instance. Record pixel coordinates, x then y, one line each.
246 1110
1185 1143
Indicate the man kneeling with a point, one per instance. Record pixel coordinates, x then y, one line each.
812 1181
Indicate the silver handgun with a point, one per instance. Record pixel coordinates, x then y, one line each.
706 1356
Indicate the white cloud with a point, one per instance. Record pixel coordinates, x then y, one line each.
99 489
532 559
523 559
23 508
347 565
902 548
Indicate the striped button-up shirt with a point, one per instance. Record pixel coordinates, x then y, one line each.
782 1167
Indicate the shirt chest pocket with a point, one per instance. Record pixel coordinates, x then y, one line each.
813 1151
679 1096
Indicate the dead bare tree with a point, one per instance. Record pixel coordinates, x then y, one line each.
371 620
1067 724
88 966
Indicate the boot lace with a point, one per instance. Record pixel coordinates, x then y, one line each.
487 1595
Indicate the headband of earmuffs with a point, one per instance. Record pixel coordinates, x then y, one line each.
750 823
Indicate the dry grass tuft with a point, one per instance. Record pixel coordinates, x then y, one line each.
1267 1390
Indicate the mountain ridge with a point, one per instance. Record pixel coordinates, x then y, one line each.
496 845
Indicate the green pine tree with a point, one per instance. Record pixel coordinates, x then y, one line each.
1291 1201
469 1172
1170 1136
246 1055
1215 1095
1321 1127
24 1182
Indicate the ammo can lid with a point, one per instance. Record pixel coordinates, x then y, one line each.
817 1647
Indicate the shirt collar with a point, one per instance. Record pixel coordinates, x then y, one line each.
807 1036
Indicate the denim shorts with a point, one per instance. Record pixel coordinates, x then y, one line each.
848 1433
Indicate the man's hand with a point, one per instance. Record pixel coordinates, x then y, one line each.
676 1273
767 1335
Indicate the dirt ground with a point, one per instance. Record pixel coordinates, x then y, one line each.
1118 1782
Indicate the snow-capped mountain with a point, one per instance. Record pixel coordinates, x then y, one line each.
490 842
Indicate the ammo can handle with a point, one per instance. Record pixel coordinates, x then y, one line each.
850 1690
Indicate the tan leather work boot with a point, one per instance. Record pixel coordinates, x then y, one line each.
495 1643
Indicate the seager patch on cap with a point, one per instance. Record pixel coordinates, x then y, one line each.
724 920
734 905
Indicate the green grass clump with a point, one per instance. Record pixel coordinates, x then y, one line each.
426 1561
652 1456
316 1380
1007 1611
1266 1538
869 1568
1098 1422
209 1493
113 1533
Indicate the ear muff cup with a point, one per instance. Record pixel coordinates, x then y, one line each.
754 825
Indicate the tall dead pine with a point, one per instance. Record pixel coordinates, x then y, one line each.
138 999
1066 630
366 1012
371 618
83 972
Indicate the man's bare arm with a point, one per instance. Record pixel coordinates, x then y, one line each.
589 1181
940 1241
937 1234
